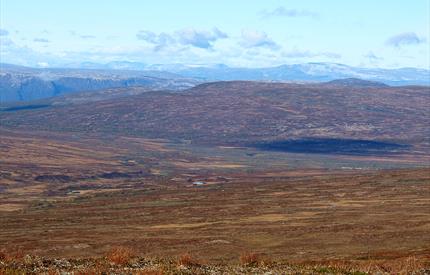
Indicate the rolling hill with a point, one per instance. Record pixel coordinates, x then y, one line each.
246 114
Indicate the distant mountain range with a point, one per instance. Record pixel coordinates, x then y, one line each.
18 83
308 72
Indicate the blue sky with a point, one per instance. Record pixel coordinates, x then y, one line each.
368 33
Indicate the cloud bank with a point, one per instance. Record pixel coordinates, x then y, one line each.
189 37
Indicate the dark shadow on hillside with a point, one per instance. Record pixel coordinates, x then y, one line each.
333 146
26 107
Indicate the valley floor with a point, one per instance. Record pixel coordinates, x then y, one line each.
375 215
68 204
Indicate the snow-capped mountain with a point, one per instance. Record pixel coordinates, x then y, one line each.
307 72
23 83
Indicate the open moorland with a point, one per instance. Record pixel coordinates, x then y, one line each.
295 221
243 113
228 177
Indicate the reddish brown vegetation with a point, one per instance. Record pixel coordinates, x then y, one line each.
150 272
250 259
120 255
406 265
251 262
11 255
187 260
246 112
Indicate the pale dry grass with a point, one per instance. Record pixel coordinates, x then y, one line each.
11 206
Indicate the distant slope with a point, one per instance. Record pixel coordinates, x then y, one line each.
25 84
357 83
241 113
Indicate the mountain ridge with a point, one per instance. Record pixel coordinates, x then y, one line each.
18 83
309 72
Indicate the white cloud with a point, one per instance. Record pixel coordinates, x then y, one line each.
199 38
159 41
43 64
284 12
404 39
22 55
189 37
41 40
87 36
249 49
253 38
83 36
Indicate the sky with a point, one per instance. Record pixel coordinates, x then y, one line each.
365 33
